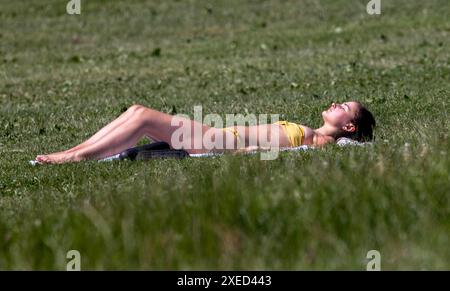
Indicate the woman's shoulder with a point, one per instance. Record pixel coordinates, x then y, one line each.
308 133
312 138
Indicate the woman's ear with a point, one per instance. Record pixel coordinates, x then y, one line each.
349 127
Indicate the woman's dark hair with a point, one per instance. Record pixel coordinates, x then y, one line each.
364 123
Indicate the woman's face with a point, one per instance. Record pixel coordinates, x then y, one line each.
339 114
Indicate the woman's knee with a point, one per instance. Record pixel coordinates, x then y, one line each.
141 114
136 108
140 111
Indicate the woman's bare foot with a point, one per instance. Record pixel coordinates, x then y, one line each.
58 158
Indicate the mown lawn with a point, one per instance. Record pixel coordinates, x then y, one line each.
63 77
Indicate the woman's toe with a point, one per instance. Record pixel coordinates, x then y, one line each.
43 159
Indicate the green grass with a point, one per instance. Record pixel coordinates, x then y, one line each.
63 77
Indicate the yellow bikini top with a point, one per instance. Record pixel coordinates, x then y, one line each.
294 131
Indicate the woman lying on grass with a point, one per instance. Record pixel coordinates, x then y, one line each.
349 119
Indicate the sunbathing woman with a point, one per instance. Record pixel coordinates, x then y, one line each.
349 119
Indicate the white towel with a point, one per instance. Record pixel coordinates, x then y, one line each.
33 163
343 141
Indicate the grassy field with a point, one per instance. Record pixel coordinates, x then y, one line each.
63 77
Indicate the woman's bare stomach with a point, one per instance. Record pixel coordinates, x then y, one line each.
264 135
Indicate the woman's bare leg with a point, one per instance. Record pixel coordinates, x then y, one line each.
106 129
143 121
124 136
